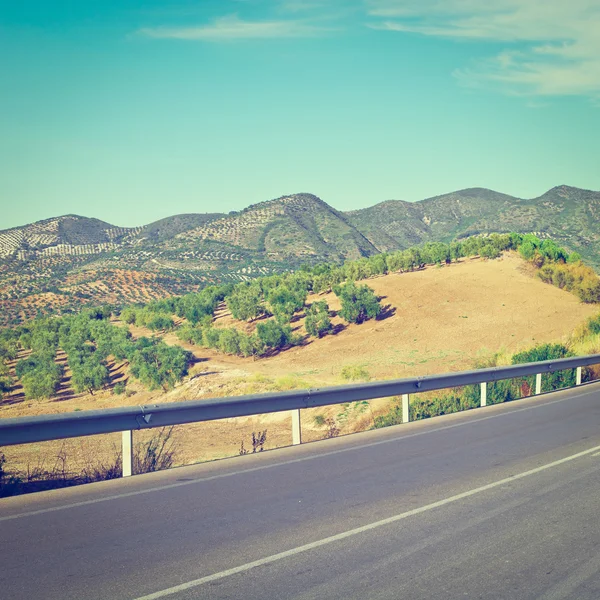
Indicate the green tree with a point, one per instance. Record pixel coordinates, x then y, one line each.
157 364
245 303
39 375
359 303
489 251
283 302
229 341
273 335
317 322
89 375
160 322
251 345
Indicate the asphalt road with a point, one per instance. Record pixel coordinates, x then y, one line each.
500 502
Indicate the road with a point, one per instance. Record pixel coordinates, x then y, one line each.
500 502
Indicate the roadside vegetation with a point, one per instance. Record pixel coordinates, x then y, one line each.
585 340
157 453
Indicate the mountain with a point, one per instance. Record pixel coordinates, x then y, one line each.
61 263
51 235
569 215
298 226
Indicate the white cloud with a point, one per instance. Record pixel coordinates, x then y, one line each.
553 45
233 28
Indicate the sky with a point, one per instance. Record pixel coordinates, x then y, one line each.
131 111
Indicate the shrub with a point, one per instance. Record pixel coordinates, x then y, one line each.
593 324
119 388
355 373
392 417
421 408
156 454
550 381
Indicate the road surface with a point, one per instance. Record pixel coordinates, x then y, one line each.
500 502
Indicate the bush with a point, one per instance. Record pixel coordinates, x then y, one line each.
593 324
451 402
355 373
550 381
119 388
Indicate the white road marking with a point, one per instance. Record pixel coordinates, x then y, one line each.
358 530
177 484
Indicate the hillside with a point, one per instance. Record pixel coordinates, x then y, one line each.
568 215
296 226
61 264
438 319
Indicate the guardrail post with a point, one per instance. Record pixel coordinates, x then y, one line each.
483 393
296 431
405 409
578 376
538 384
127 452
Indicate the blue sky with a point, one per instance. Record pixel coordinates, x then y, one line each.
133 111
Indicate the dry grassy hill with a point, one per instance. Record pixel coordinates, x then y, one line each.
437 320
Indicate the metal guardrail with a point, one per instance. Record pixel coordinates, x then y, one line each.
126 420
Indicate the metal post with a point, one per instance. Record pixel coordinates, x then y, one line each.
538 384
484 393
405 409
296 431
127 452
578 379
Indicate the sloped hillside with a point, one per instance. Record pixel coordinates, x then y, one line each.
300 225
70 234
566 214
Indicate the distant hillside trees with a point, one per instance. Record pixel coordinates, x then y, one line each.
359 302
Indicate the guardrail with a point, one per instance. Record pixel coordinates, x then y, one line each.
126 420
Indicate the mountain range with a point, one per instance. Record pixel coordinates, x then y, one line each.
59 263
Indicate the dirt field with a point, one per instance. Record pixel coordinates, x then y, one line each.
437 320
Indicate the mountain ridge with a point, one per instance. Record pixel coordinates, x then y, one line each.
63 262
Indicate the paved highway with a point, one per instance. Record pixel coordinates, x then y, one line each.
501 502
